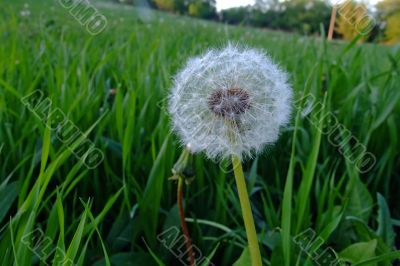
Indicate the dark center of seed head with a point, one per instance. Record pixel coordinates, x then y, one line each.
229 103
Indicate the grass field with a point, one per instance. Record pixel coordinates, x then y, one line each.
112 86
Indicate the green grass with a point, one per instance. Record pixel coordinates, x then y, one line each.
112 214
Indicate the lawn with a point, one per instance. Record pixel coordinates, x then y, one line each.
58 209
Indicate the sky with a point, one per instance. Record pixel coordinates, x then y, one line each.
223 4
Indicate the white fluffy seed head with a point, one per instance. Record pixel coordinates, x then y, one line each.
231 101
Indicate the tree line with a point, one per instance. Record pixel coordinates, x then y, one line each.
380 23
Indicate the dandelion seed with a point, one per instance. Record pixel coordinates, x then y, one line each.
231 101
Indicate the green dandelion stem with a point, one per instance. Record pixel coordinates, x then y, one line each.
246 212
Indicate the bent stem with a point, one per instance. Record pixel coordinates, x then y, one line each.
246 212
188 242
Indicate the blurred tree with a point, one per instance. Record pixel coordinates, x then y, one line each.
389 12
392 32
181 6
354 19
167 5
236 15
265 5
203 9
303 16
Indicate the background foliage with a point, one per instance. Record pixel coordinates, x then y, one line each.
389 11
302 16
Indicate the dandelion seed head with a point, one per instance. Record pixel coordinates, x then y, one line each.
230 101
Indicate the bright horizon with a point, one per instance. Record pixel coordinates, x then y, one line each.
224 4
